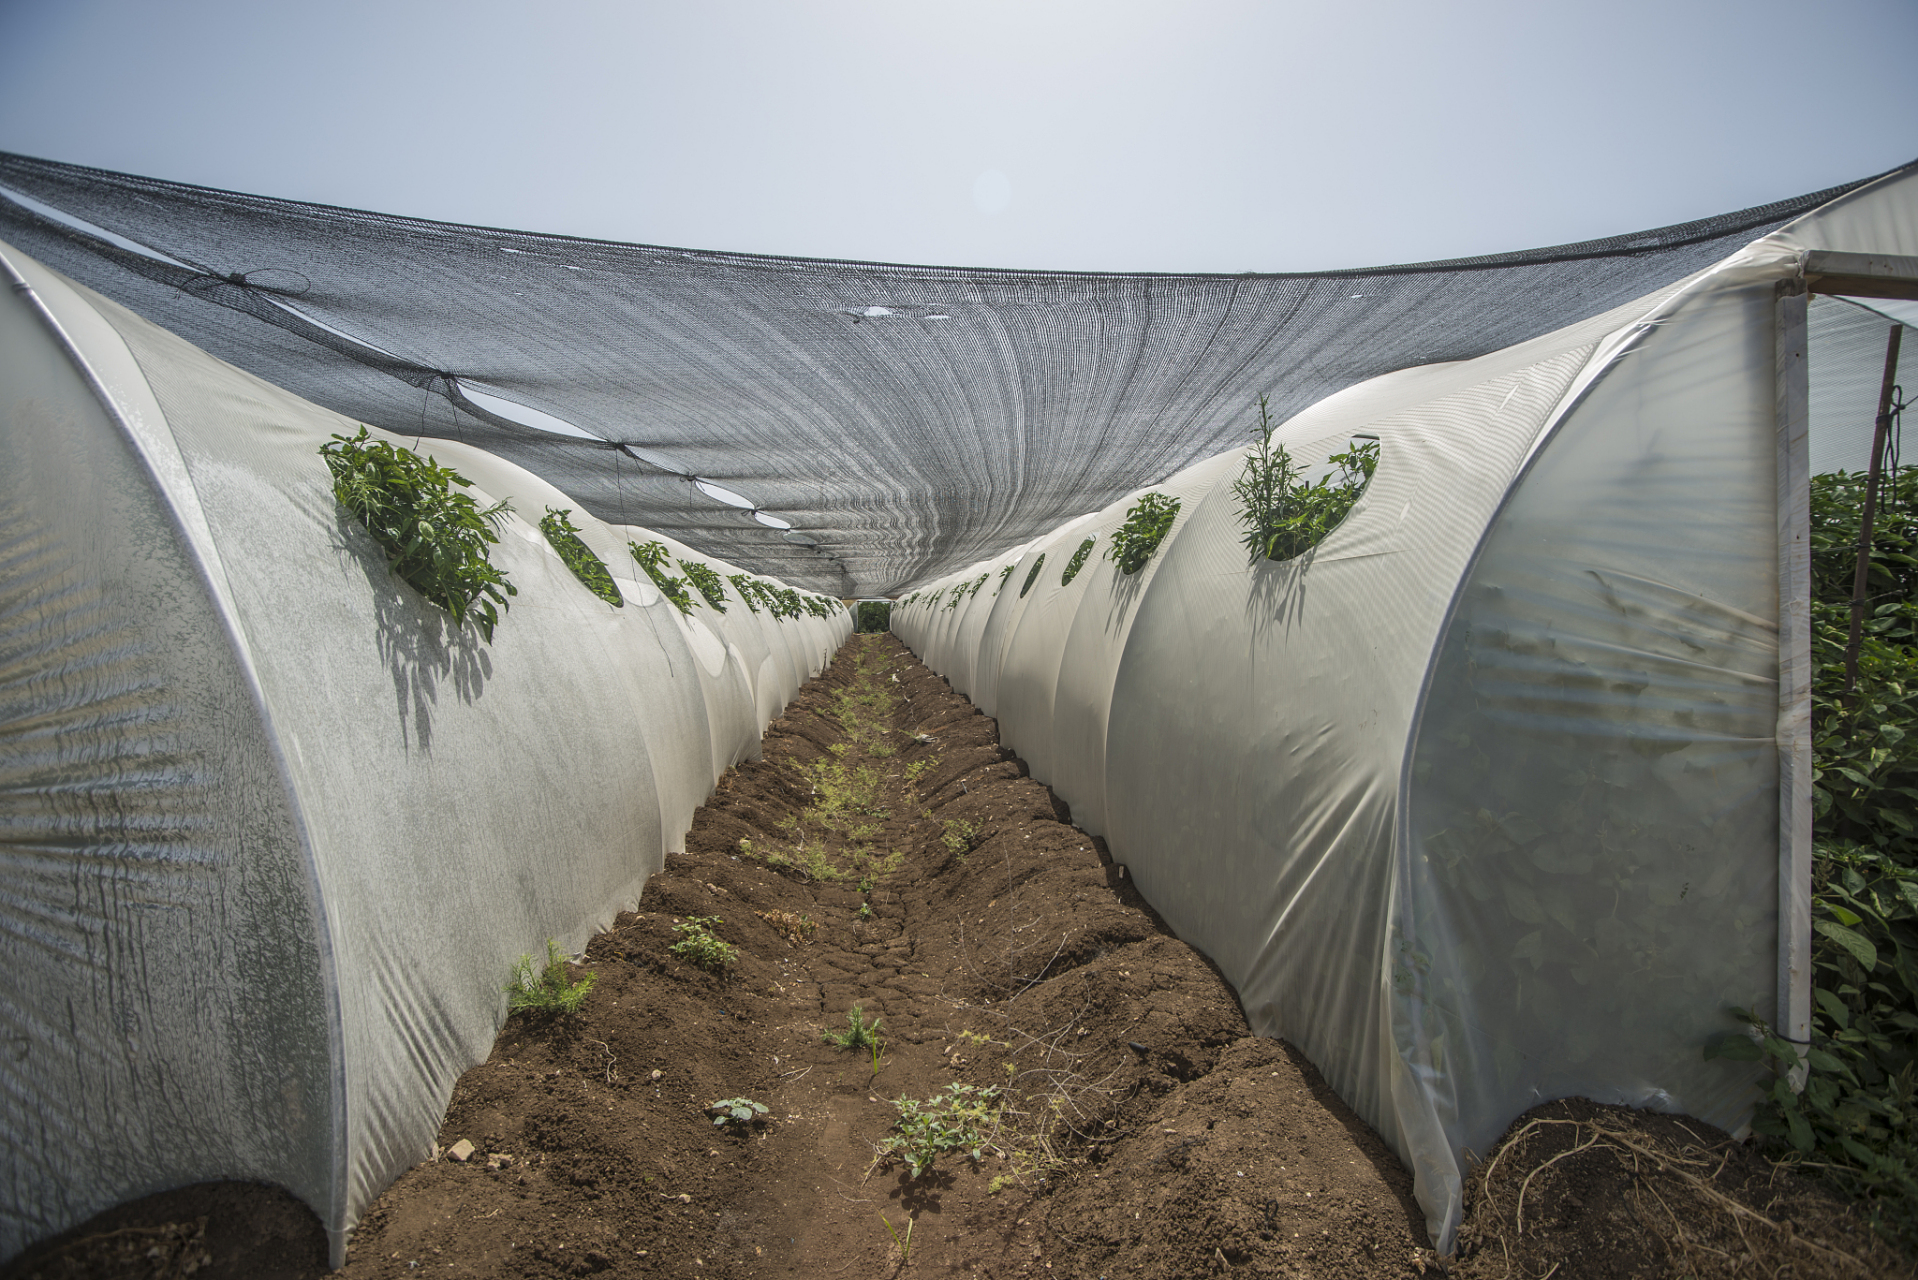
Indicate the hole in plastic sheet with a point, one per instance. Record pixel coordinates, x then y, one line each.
65 219
525 415
772 522
726 496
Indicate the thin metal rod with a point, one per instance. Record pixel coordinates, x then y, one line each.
1880 429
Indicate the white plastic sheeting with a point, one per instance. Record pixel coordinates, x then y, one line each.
271 833
1478 802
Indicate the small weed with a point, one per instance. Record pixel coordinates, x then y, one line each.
795 928
960 836
959 1118
859 1033
882 752
699 945
1000 1183
546 991
741 1113
917 769
865 911
904 1242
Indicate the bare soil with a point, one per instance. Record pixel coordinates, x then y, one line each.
887 853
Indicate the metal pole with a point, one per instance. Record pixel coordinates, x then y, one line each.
1880 428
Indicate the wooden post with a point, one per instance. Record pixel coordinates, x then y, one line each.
1792 1017
1881 427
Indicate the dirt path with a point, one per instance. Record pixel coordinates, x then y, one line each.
888 854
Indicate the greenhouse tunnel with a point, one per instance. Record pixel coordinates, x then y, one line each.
1498 794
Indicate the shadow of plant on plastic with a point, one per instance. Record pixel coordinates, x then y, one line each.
420 645
1277 597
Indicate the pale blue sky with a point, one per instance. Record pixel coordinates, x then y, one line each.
1199 136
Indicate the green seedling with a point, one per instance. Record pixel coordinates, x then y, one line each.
905 1242
859 1034
546 991
960 836
865 911
1283 515
652 558
741 1113
708 583
959 1118
699 945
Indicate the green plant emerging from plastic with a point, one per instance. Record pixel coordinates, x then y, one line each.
1032 575
546 991
747 590
699 945
1005 576
1284 517
709 583
652 557
1077 562
739 1113
1146 524
961 1117
859 1033
577 556
434 538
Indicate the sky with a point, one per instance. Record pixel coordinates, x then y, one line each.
1203 135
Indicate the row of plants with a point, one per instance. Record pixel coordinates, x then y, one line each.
1283 515
1855 1120
436 539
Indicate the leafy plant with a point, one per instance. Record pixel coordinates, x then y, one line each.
958 1118
1284 516
918 768
741 1113
1077 562
434 538
546 991
709 583
1856 1119
1032 575
1005 576
652 558
960 836
699 945
1146 524
579 557
873 616
747 589
859 1033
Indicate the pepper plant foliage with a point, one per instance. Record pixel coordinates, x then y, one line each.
1032 575
1856 1120
652 558
434 537
708 582
1077 562
1146 524
579 557
1283 515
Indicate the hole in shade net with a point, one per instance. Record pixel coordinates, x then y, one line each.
52 214
513 411
872 312
772 522
799 539
726 496
936 315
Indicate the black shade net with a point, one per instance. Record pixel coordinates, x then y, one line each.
906 420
